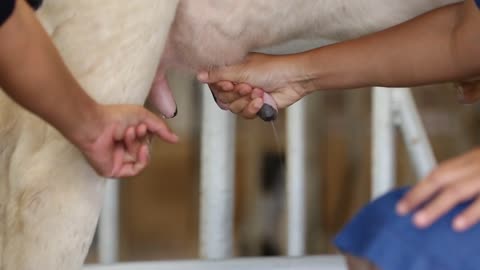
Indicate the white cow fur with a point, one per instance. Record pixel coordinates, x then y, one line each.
221 32
49 198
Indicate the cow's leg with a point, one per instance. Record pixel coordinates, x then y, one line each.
50 198
9 130
52 201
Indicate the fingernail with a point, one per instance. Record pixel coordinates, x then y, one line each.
402 209
258 104
202 76
420 220
257 93
460 225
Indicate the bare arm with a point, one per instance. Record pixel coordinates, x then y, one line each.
112 138
442 45
439 46
34 75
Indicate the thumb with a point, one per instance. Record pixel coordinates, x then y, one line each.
118 156
220 74
158 127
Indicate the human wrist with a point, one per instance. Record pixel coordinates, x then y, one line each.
331 68
85 123
305 74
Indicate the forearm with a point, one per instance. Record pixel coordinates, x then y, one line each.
34 75
417 52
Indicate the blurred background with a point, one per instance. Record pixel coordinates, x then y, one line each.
160 209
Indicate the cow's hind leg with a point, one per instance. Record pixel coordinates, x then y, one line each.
52 204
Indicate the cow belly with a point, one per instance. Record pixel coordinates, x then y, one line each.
209 33
113 48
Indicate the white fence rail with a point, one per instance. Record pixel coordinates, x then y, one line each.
391 108
303 263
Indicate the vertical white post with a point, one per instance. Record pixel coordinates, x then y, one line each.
296 180
383 142
315 137
217 180
108 230
415 137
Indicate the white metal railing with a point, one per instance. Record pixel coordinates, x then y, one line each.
391 108
108 225
296 179
414 134
383 142
304 263
217 180
396 108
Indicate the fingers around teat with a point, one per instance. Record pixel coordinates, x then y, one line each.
243 89
225 85
226 97
141 131
239 105
257 93
250 112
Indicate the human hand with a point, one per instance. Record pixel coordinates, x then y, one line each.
247 104
116 142
453 182
261 78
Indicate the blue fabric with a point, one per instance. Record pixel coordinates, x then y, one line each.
478 3
392 242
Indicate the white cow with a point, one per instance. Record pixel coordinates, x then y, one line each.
50 198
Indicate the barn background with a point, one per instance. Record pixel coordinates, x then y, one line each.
160 208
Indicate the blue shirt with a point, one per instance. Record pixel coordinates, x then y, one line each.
392 242
478 3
